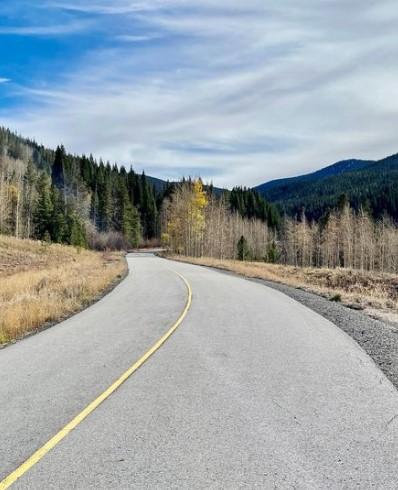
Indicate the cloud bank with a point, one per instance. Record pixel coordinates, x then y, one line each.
239 93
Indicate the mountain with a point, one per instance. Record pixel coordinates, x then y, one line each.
367 183
335 169
159 185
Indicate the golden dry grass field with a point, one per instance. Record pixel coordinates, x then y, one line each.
42 283
375 293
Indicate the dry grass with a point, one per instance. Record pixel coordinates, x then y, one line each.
42 283
376 294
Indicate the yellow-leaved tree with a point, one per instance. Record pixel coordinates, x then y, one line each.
184 218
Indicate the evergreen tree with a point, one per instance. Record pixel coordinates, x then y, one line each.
126 218
105 207
148 208
243 249
59 231
58 168
44 211
131 224
249 204
76 231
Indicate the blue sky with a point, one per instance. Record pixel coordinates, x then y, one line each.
237 92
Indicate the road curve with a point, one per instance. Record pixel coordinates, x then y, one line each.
252 391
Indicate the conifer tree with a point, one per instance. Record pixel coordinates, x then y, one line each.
130 224
105 205
59 231
58 168
43 213
243 251
76 231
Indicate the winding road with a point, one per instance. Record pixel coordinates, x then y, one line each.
251 390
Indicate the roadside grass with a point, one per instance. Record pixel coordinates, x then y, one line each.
375 293
42 283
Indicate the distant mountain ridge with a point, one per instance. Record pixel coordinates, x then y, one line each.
369 183
160 185
334 169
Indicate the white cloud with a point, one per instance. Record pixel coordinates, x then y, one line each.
240 92
131 38
4 80
46 30
105 7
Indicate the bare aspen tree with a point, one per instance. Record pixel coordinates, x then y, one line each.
197 226
347 236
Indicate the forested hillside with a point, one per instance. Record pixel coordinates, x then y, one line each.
64 198
55 196
367 184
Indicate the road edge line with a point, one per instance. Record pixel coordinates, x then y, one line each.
60 435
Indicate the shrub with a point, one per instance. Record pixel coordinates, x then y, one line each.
243 249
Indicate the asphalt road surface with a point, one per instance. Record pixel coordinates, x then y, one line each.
253 390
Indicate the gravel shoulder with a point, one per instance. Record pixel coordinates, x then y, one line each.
379 339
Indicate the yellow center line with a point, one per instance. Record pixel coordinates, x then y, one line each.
48 446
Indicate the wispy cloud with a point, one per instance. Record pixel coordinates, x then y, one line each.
132 38
47 30
4 80
239 92
105 8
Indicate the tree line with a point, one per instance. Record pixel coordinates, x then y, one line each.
56 196
195 223
250 204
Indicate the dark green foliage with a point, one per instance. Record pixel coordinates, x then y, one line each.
58 168
243 251
76 231
250 204
119 201
126 218
148 209
43 215
52 221
370 185
59 230
131 227
105 207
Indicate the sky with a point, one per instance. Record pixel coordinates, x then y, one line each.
237 92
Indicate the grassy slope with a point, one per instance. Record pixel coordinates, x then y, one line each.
42 283
377 294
